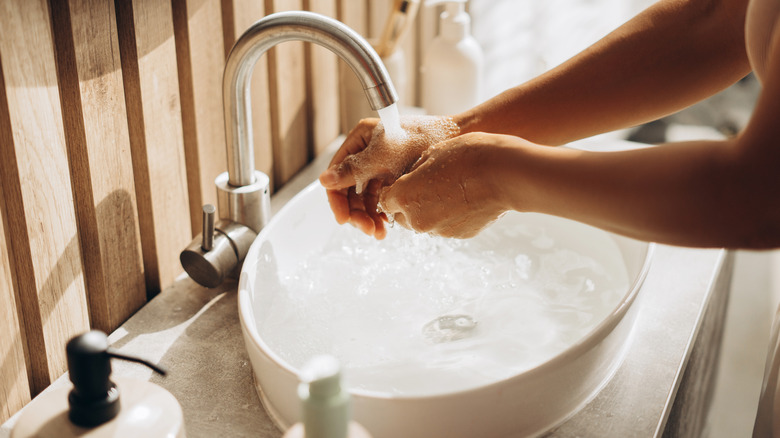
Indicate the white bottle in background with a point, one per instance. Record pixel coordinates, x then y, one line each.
452 69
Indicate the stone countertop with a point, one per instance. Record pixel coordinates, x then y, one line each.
194 332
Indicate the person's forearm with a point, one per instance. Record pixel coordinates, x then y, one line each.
693 194
672 55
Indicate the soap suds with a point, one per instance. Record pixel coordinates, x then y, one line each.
388 157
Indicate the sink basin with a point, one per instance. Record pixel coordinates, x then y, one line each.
505 334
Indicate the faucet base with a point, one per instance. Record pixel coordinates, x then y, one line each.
249 205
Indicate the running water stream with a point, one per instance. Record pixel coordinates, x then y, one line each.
392 121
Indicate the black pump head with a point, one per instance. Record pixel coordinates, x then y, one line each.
94 399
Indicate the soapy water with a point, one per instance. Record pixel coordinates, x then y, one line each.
421 315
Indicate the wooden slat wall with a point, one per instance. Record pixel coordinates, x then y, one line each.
322 86
42 231
289 111
95 122
201 54
111 135
149 69
14 389
355 15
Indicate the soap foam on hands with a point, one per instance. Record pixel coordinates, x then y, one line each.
396 144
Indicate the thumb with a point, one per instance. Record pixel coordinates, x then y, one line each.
338 176
391 205
388 198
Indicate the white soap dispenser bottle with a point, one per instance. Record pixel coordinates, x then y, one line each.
324 405
452 68
91 408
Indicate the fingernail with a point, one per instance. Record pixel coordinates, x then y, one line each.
329 177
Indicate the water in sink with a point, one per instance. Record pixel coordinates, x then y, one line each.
418 315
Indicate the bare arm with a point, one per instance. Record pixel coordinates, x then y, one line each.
672 55
698 194
702 193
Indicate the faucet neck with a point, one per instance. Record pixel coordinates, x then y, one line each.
268 32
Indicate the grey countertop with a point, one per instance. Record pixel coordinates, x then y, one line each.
195 333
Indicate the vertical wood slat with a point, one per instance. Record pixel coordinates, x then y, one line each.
37 191
244 13
289 111
427 29
200 51
353 13
410 45
14 386
146 42
95 123
377 17
322 85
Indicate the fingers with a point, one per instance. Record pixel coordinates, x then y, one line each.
371 201
391 205
357 140
339 205
338 176
387 200
339 173
359 210
359 217
400 219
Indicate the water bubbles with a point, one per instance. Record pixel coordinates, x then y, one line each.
543 242
417 314
449 328
523 264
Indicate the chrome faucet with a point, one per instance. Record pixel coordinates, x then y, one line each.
242 192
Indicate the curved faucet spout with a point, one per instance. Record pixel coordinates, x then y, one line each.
268 32
244 203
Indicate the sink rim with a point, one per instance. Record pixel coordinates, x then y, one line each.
579 348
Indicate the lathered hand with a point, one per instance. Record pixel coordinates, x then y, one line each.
453 190
372 158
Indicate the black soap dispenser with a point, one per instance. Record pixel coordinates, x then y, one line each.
91 407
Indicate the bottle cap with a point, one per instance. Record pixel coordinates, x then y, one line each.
455 23
325 406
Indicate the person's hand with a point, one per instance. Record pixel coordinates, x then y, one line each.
346 204
371 158
456 189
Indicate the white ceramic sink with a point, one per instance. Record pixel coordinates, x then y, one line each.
301 292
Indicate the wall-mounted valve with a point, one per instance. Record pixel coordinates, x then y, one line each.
222 245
